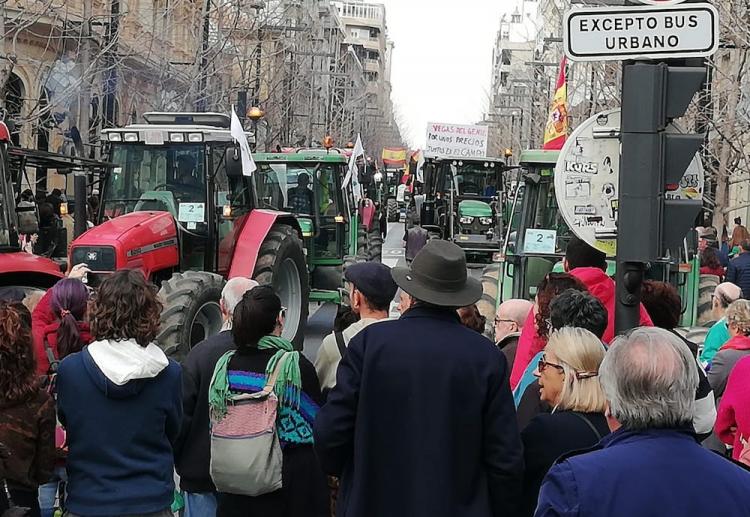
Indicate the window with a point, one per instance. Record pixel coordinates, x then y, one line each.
505 55
515 18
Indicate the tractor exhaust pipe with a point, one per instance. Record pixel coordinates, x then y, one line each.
79 213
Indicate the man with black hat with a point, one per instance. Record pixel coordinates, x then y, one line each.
371 291
421 421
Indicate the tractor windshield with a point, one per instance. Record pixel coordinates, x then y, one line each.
157 178
300 188
474 179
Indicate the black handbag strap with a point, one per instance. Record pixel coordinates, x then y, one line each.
340 342
588 423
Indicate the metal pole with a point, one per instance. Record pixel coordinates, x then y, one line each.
84 107
79 212
202 101
110 84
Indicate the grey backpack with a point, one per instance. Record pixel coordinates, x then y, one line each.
246 455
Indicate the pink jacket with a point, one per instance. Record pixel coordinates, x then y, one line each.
734 408
598 284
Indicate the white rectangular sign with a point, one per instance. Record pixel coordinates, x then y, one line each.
648 32
456 140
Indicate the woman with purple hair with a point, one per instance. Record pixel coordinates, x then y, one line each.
66 335
69 333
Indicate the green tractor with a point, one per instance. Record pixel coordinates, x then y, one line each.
462 202
336 229
522 263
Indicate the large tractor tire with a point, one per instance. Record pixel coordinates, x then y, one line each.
392 211
487 305
706 287
281 264
191 311
369 245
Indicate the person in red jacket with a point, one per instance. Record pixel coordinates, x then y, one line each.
588 265
67 333
733 419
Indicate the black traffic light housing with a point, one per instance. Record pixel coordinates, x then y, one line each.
654 157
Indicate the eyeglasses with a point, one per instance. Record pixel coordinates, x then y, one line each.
282 313
543 364
500 320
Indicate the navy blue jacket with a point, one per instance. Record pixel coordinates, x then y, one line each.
192 452
738 273
646 474
120 438
422 422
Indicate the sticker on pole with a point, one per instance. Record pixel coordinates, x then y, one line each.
587 178
641 32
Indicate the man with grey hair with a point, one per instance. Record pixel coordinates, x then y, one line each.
650 461
192 452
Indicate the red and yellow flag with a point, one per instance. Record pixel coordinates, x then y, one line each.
556 130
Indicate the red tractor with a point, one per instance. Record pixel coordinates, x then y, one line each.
177 206
22 272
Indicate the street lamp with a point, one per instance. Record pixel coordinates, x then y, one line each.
255 114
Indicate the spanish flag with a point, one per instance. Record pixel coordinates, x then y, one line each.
556 130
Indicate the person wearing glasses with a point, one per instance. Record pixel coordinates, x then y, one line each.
650 463
509 321
571 308
718 334
568 381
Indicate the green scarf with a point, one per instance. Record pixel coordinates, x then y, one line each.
288 383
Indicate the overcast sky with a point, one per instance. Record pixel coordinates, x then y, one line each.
442 60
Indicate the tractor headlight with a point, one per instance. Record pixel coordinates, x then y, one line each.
486 221
466 220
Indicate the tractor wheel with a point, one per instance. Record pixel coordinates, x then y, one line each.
487 305
281 264
392 210
191 311
374 245
706 286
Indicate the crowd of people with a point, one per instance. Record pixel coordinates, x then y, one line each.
421 415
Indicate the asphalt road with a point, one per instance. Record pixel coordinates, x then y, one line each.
320 321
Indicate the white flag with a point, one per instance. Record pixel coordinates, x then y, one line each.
420 167
248 164
353 170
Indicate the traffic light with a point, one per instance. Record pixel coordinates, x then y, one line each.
654 159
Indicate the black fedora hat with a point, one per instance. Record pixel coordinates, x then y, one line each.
438 276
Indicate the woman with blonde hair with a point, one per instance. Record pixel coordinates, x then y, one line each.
568 375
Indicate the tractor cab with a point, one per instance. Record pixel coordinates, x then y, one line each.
308 184
463 202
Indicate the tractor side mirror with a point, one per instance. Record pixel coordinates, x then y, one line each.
233 161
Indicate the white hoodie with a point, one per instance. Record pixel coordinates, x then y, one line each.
124 361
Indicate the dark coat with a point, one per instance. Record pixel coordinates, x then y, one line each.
27 433
508 346
738 273
649 473
549 436
193 449
421 422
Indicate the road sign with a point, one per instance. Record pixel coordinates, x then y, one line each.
587 180
649 32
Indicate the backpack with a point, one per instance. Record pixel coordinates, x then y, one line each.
246 454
